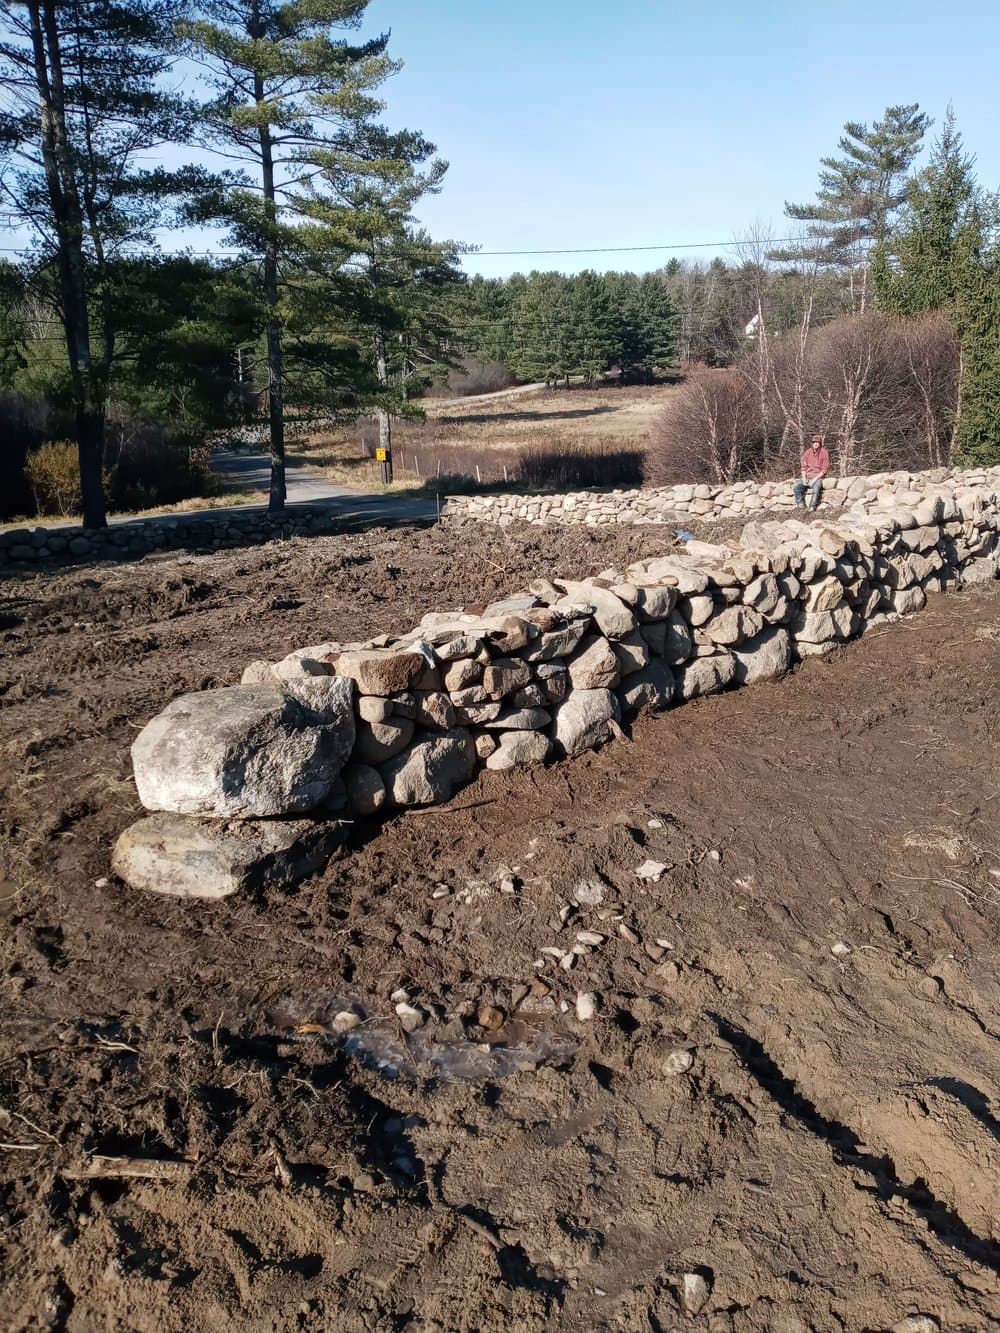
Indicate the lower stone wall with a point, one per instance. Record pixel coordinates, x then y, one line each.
253 782
203 531
671 504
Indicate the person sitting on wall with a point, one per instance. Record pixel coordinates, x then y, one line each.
815 466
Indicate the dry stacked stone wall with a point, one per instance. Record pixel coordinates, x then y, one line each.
671 504
251 782
206 531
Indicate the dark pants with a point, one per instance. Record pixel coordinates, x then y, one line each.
815 487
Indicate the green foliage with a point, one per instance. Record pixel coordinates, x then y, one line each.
979 423
180 321
484 319
932 259
348 286
860 191
85 109
944 257
548 326
13 324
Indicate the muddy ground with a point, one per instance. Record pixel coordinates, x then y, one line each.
828 922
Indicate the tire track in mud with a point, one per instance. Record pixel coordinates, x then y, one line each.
848 1149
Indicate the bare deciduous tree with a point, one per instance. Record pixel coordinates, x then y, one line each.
884 392
710 433
931 355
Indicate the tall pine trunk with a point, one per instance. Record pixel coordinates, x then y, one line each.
275 355
87 387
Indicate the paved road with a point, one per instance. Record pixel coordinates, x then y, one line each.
252 472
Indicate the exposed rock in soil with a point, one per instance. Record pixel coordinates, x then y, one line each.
204 858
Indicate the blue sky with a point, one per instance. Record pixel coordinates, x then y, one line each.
571 124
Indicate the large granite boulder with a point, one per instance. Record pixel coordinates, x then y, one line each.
247 751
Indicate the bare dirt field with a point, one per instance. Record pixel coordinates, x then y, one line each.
788 1090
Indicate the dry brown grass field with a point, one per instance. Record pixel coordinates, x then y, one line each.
495 436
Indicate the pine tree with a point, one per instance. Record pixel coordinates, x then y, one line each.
860 193
590 342
979 421
657 324
942 258
485 317
541 320
290 97
84 111
360 243
931 259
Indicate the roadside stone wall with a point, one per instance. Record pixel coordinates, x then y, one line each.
256 781
203 531
669 504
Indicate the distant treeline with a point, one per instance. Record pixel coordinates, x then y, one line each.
547 326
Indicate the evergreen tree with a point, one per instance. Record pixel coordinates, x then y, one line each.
942 258
290 97
979 421
180 321
931 260
84 112
363 249
13 331
591 341
657 324
623 293
485 318
540 328
860 193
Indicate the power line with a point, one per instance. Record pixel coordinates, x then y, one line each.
625 249
576 250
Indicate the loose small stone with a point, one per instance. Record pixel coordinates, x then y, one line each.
590 937
588 893
410 1017
695 1292
627 933
651 871
917 1323
345 1021
678 1062
840 949
586 1006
